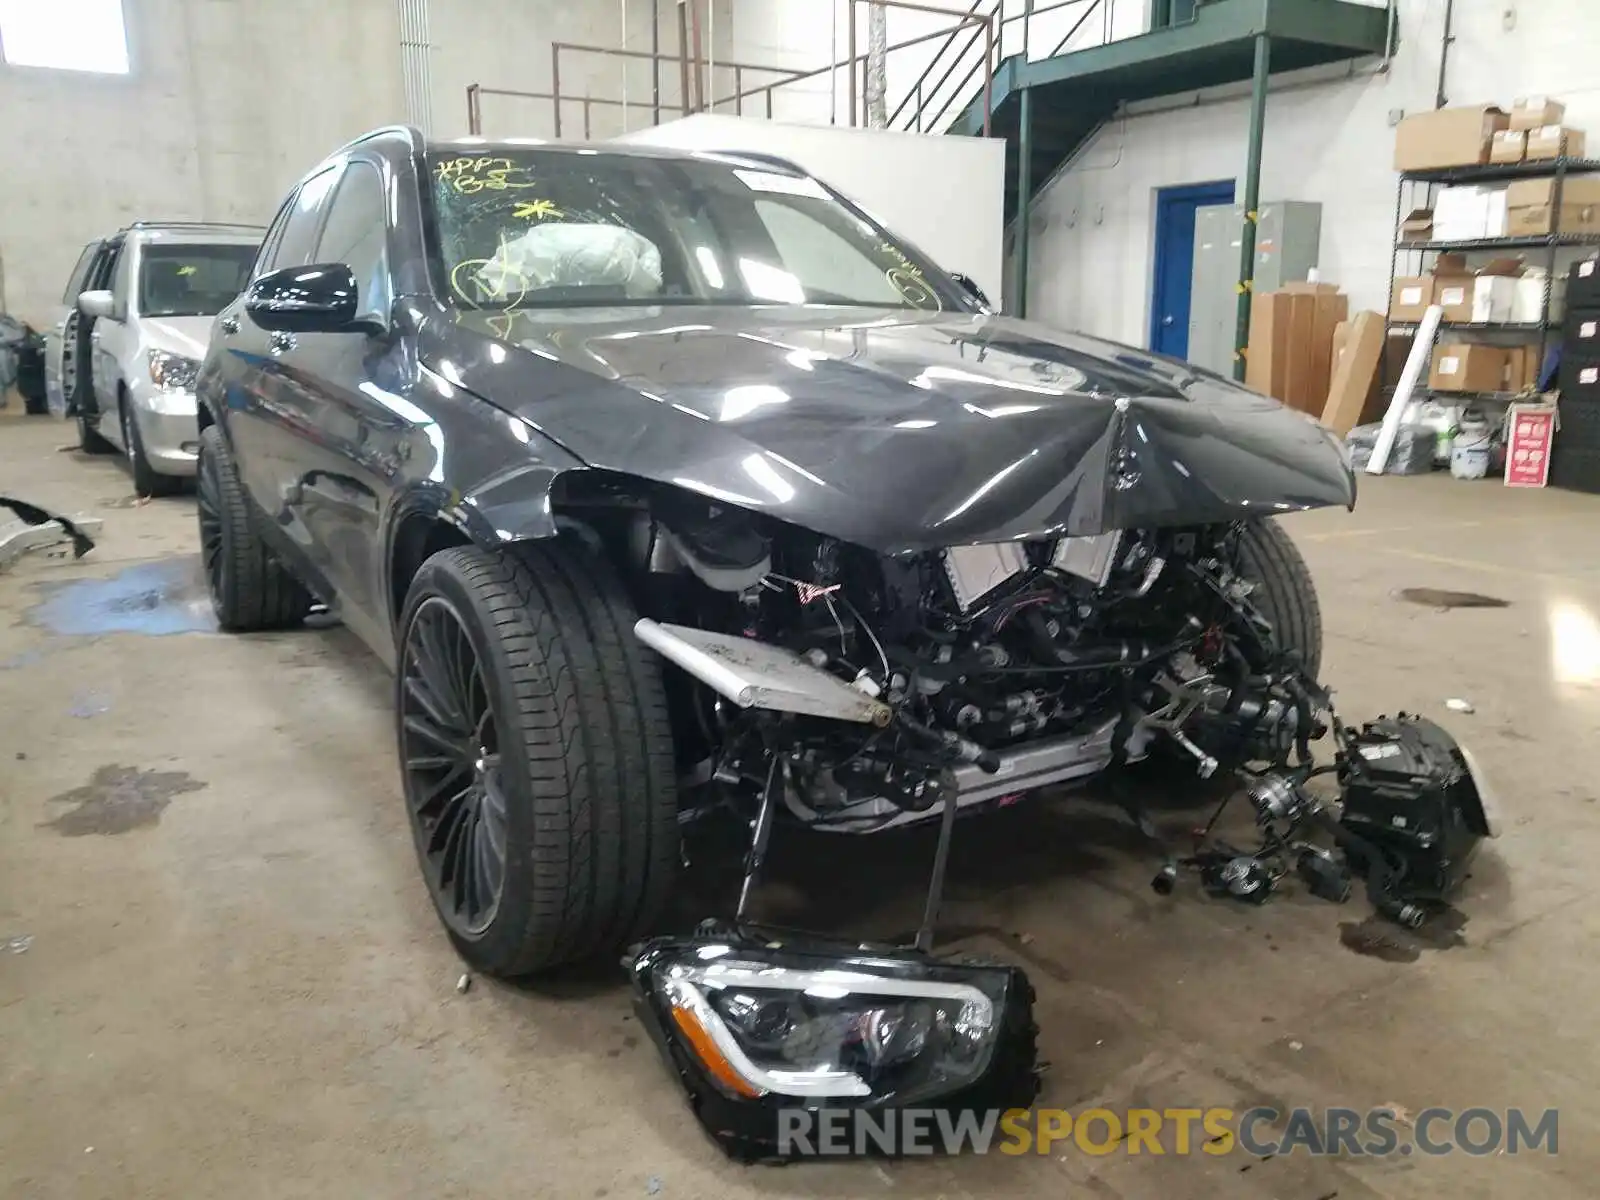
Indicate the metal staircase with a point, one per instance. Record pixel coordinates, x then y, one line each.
1046 105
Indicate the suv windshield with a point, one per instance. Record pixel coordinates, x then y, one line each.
191 279
556 228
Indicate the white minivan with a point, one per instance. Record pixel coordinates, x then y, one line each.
124 351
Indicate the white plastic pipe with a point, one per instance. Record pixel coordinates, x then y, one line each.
1421 351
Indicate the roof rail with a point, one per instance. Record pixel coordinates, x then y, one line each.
195 225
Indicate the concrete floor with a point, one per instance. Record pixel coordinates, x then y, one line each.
236 987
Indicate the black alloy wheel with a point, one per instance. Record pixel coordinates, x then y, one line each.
450 757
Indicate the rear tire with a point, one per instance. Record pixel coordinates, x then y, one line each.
556 751
146 480
250 590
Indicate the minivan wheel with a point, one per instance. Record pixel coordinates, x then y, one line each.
250 590
536 756
146 480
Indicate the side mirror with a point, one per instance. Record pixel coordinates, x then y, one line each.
972 289
96 304
319 298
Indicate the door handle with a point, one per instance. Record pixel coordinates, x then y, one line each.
230 325
280 342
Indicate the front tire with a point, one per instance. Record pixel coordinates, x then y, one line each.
146 480
250 590
536 754
1285 592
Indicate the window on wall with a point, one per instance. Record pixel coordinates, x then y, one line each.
69 35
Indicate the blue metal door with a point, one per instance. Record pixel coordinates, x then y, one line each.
1173 279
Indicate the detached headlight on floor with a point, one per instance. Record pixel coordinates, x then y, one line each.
173 372
754 1029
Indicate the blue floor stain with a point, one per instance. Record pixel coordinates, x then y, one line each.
154 599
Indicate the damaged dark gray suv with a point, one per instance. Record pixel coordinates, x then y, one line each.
672 485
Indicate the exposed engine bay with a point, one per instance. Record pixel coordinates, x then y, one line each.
858 692
886 685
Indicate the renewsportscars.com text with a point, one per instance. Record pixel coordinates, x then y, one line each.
1377 1132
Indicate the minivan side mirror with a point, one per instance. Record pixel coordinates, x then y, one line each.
318 298
971 287
96 304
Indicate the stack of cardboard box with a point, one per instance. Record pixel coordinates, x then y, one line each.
1482 133
1290 356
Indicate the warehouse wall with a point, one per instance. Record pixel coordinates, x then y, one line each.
229 101
1329 142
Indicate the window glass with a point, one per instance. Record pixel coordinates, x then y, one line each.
828 260
525 228
191 279
79 270
300 233
356 234
274 234
71 35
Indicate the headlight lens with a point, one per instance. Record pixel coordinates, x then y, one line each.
825 1032
173 372
756 1027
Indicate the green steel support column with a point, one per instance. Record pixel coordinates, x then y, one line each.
1024 199
1252 200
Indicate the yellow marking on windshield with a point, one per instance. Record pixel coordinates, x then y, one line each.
469 176
186 270
535 210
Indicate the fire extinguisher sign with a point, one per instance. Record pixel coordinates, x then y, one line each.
1533 429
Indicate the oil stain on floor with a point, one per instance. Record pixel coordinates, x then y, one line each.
118 799
154 599
1441 598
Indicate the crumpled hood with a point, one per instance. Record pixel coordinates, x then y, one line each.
897 430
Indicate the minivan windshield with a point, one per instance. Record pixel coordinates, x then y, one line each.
541 228
192 279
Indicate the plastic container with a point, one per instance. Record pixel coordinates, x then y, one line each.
1470 449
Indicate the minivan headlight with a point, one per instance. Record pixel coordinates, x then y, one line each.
173 372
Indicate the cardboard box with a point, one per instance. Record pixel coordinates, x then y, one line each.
1554 141
1268 349
1452 287
1447 137
1508 146
1493 299
1355 373
1497 214
1311 362
1531 112
1468 367
1460 214
1494 291
1410 298
1531 210
1527 305
1417 226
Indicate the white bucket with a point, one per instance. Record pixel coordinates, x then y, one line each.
1469 452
